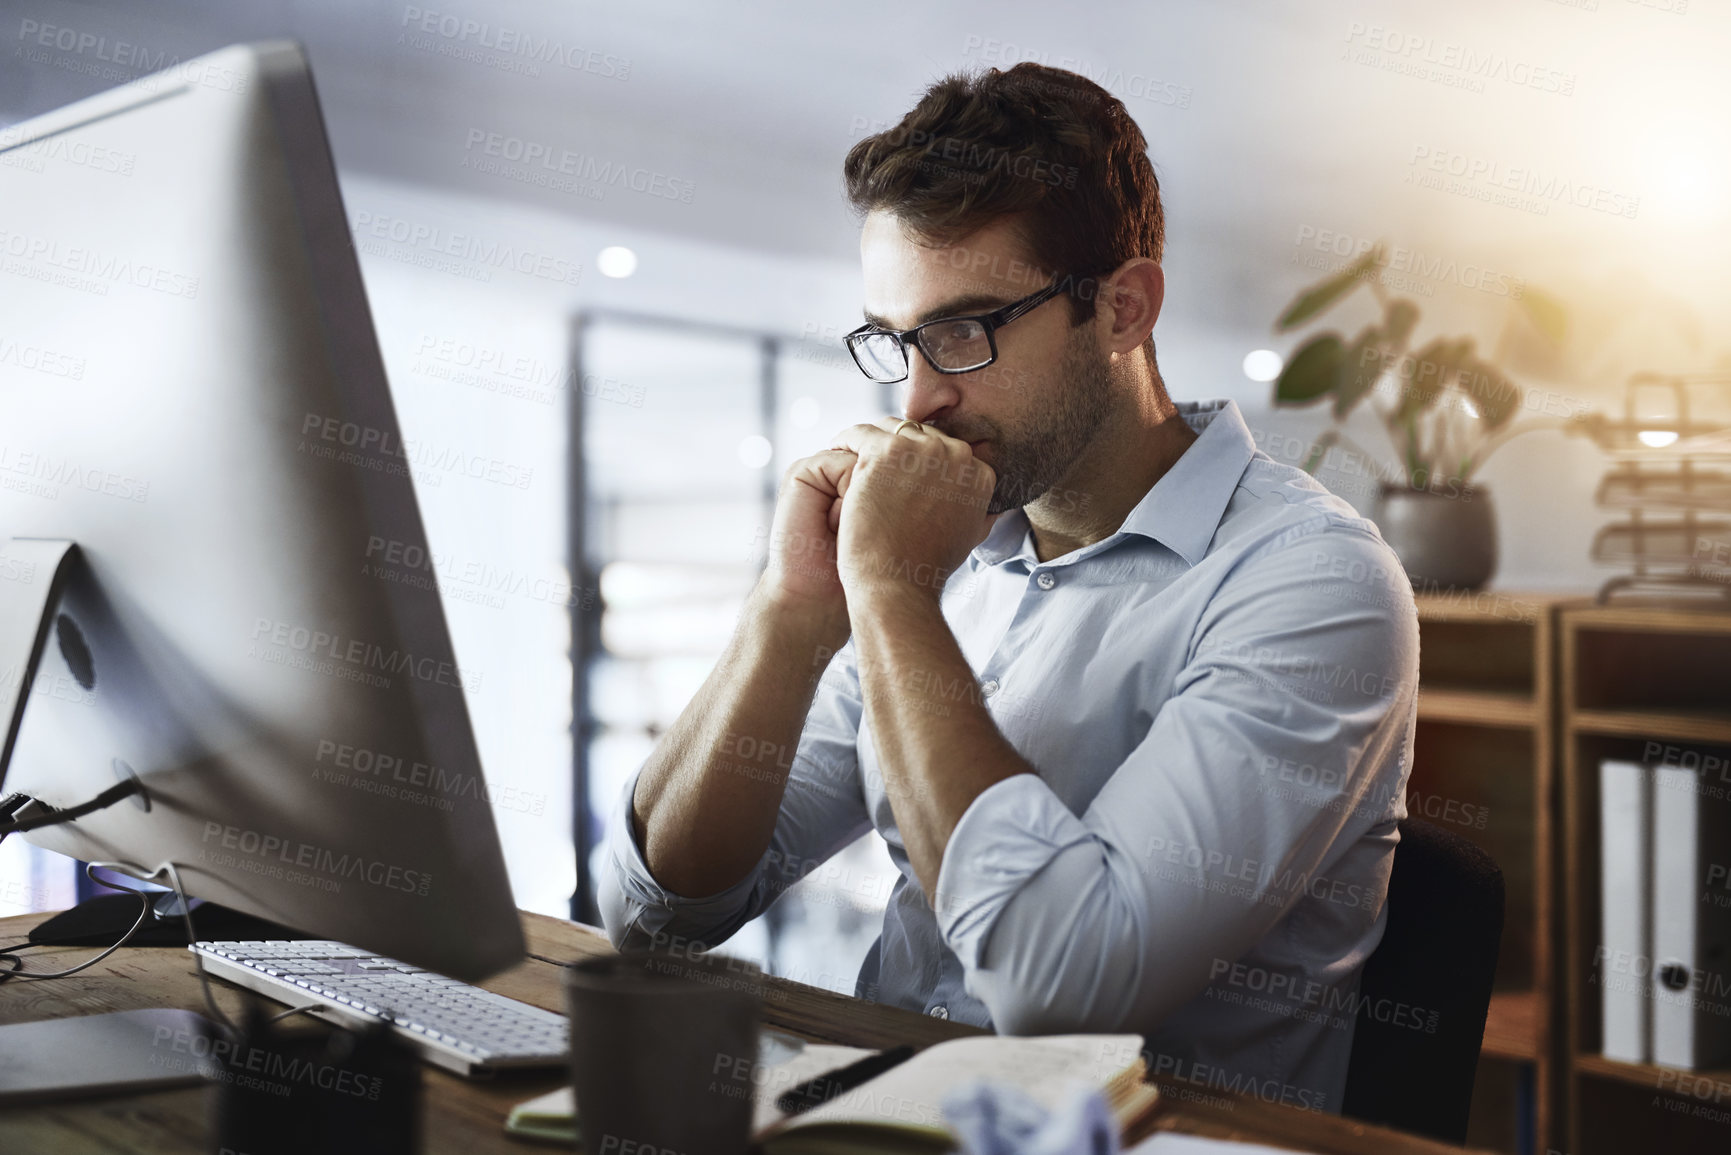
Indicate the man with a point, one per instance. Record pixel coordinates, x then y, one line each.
1130 702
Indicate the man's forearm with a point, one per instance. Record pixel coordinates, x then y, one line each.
706 802
937 745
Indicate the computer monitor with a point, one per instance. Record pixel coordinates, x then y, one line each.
191 393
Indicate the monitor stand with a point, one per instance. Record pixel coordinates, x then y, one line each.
83 1054
37 569
101 920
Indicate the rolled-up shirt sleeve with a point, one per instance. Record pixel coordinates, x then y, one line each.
822 810
1112 919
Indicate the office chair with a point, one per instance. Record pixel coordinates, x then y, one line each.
1426 988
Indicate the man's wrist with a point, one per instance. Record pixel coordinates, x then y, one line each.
873 576
800 624
886 594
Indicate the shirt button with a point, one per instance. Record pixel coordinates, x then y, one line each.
1045 581
939 1012
989 687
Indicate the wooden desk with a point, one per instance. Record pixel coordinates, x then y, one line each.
464 1117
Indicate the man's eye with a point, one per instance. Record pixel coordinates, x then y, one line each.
949 333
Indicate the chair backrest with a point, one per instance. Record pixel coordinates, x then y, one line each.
1426 988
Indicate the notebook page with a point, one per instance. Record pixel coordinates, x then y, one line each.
770 1083
1044 1067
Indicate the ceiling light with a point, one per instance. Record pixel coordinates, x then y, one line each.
1262 365
616 261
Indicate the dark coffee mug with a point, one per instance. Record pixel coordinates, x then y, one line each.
662 1047
284 1090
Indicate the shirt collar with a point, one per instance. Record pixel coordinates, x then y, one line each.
1180 511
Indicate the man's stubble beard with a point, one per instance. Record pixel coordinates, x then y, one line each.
1030 461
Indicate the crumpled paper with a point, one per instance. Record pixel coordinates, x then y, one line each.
1000 1119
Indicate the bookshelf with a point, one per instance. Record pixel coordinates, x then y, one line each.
1484 767
1644 683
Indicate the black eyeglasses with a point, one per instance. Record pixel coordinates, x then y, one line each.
949 344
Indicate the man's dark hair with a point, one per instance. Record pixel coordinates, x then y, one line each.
1051 147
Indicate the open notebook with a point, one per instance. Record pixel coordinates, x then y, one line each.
901 1109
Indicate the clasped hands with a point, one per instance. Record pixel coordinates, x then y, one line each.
906 508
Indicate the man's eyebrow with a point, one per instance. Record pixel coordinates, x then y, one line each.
972 303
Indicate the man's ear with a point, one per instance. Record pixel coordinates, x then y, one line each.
1130 303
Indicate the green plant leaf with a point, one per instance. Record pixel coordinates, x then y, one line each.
1548 314
1398 322
1424 375
1326 292
1360 366
1493 394
1311 372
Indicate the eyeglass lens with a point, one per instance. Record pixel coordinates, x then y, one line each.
956 345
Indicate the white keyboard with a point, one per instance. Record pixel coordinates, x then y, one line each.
450 1023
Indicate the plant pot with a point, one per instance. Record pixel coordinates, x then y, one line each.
1445 541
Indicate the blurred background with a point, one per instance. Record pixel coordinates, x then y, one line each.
647 343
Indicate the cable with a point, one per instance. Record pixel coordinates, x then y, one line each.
52 817
138 874
9 954
8 806
186 918
296 1011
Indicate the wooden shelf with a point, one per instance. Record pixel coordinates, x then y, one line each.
1630 675
1651 619
1677 726
1512 1026
1477 707
1484 606
1484 753
1647 1075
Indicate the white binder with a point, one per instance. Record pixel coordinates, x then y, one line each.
1624 970
1691 928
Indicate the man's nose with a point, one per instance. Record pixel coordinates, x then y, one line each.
927 391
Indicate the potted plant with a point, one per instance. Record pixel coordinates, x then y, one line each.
1445 410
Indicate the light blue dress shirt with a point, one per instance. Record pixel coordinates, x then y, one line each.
1219 700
